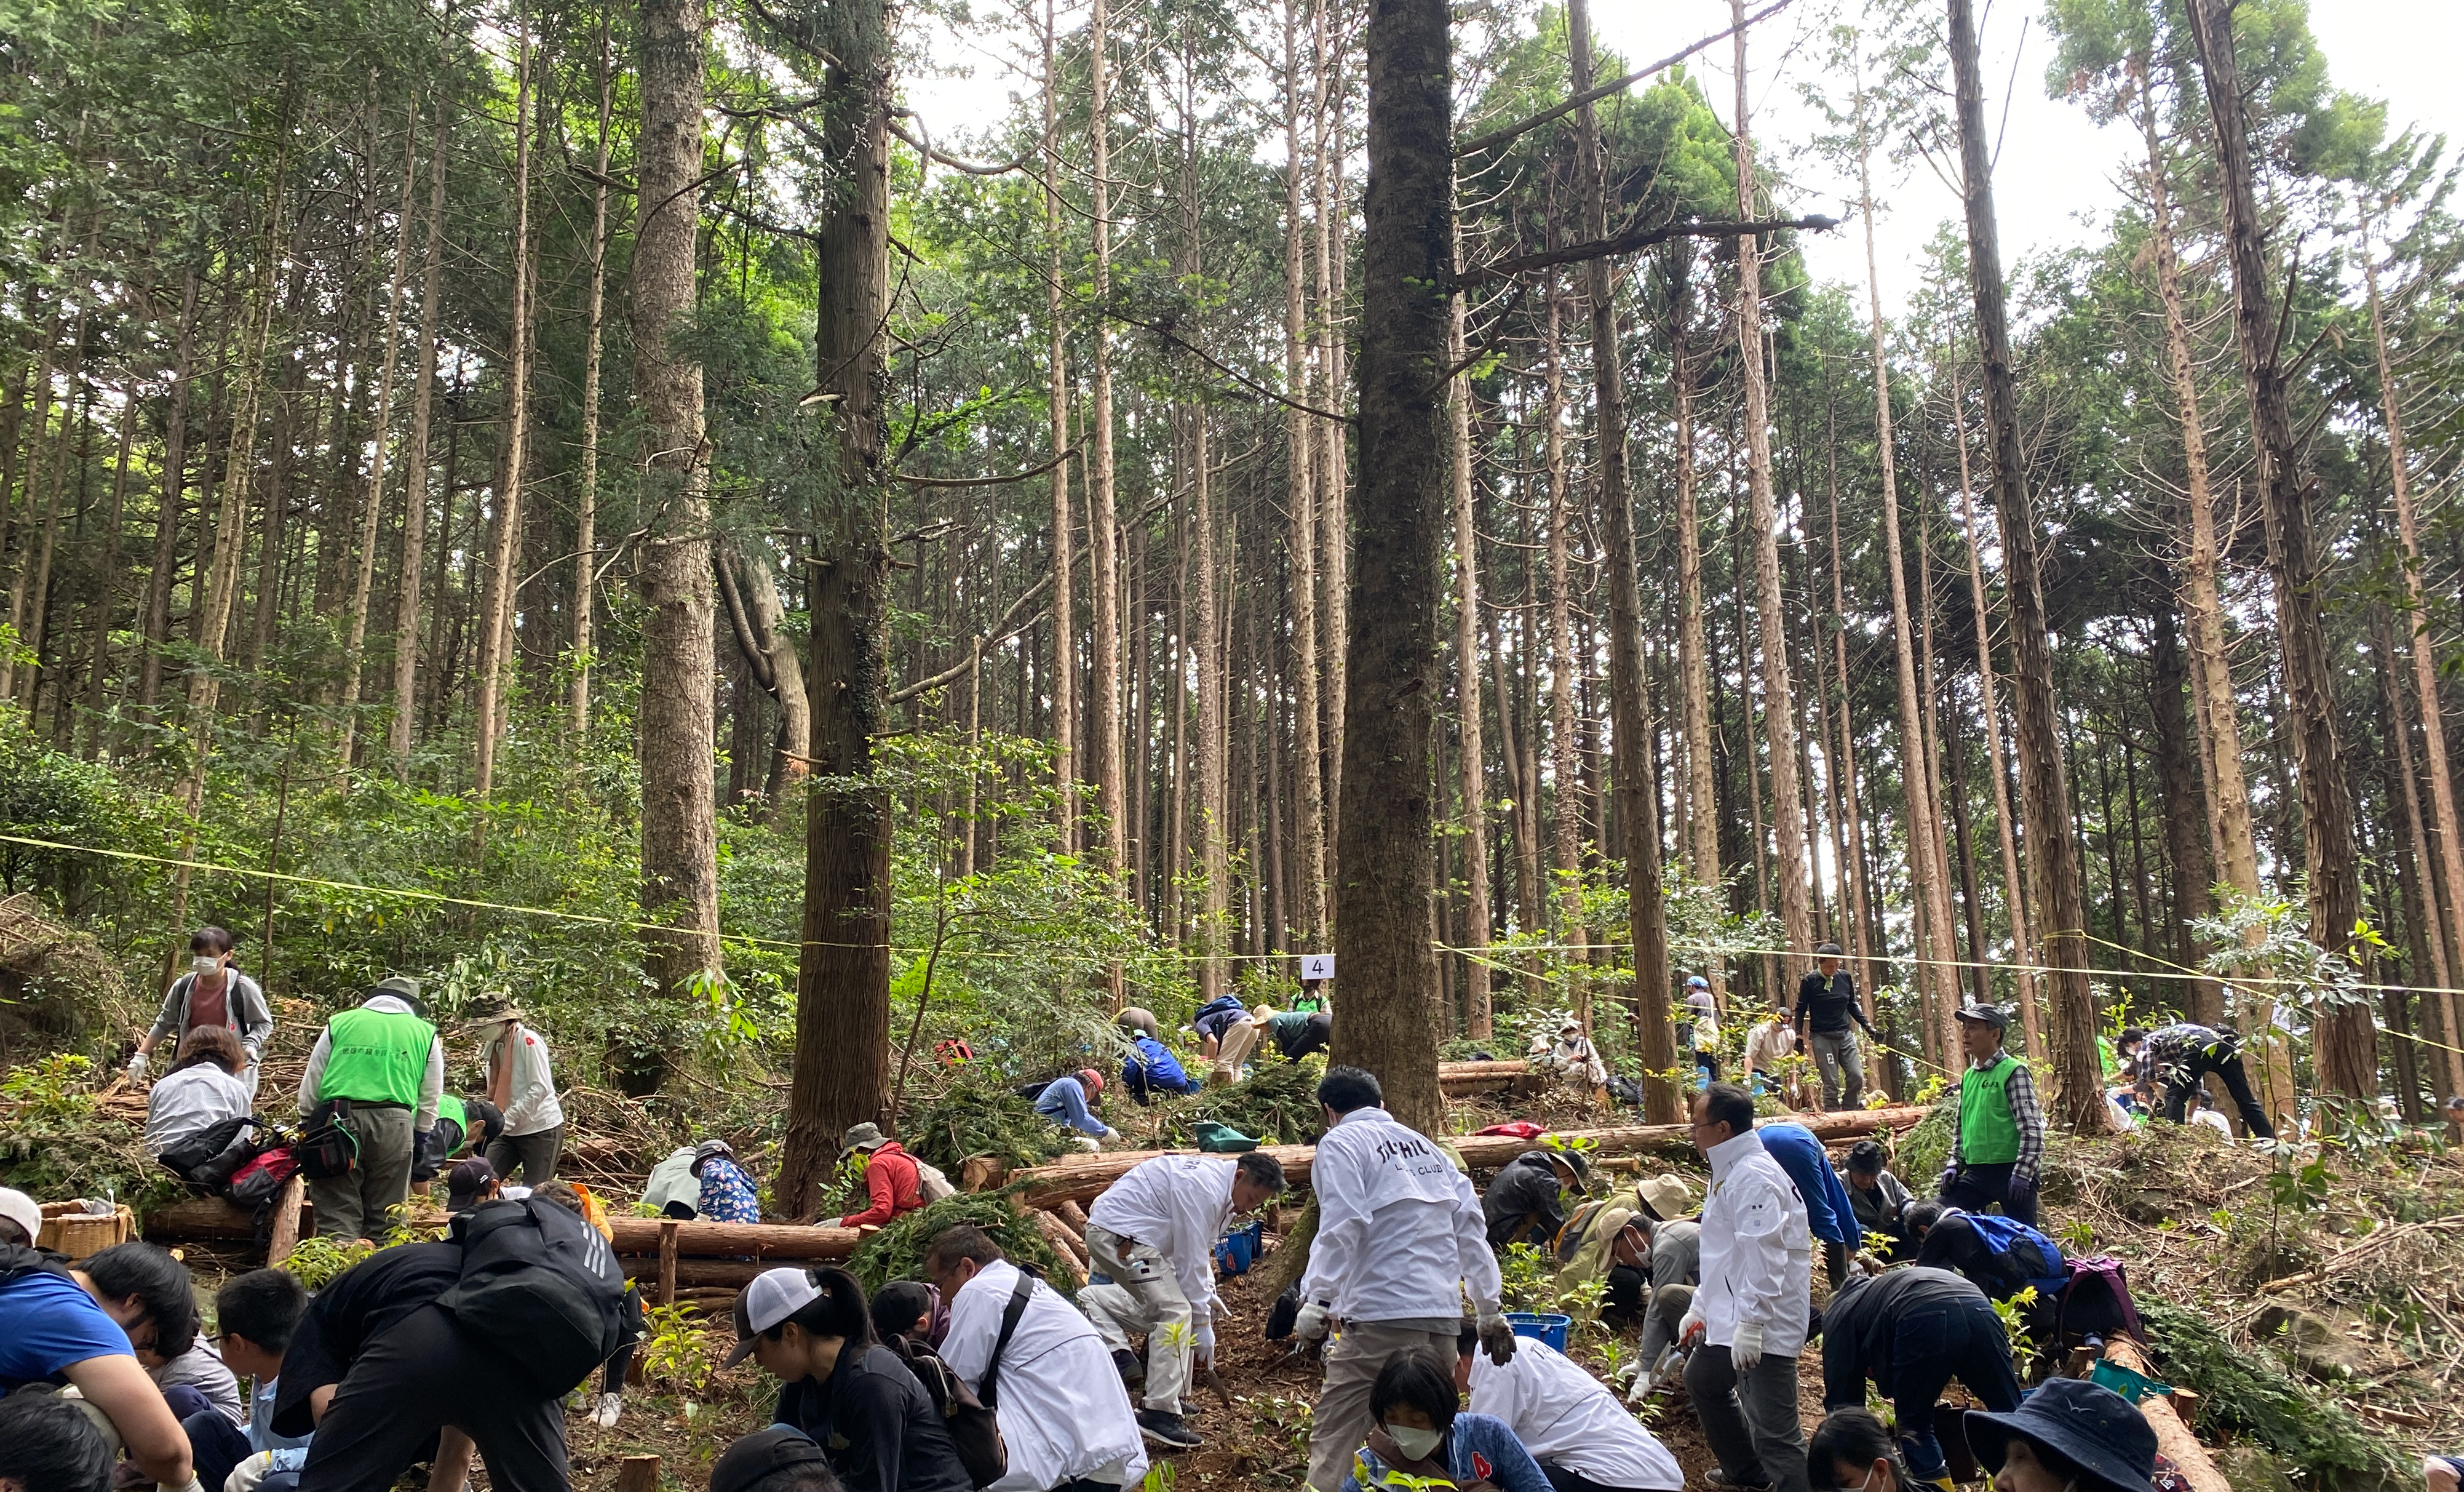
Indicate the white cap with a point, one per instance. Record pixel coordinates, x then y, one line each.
773 1296
22 1211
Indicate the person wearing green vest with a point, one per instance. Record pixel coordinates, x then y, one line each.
2001 1136
389 1065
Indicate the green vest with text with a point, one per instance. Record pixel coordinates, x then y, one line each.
449 1107
376 1056
1989 1134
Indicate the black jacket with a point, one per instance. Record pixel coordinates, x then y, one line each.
1862 1322
1528 1185
876 1425
1826 1005
350 1312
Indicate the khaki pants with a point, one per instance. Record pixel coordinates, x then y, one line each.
1232 1051
1353 1362
353 1205
1144 1298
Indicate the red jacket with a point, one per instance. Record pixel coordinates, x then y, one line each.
895 1188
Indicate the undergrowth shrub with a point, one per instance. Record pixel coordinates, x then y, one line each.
897 1251
2318 1439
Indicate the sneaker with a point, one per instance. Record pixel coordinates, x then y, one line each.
1132 1371
611 1406
1168 1430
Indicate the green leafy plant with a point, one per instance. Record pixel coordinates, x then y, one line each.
2322 1443
897 1251
677 1349
318 1262
1528 1281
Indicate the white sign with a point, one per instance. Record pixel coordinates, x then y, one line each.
1317 965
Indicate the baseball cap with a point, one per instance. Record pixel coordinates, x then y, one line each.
1697 982
22 1211
1993 1015
1829 950
756 1456
773 1296
464 1183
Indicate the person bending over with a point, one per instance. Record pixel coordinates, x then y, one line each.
811 1330
1852 1450
258 1313
1568 1419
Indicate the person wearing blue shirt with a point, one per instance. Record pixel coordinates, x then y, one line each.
1422 1432
1151 1068
1828 1214
256 1312
1068 1100
53 1331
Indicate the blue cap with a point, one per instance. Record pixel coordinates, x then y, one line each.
1697 982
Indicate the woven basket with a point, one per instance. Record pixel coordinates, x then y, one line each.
76 1235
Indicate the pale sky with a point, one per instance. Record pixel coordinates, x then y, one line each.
2053 182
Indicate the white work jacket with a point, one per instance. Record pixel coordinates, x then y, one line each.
530 1097
1567 1418
1063 1412
1399 1232
1175 1205
1757 1253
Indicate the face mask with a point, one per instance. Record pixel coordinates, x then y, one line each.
205 964
1416 1444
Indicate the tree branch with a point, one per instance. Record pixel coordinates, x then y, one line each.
984 482
1498 137
1627 242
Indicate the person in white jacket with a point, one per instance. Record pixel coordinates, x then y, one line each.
1569 1420
1748 1320
1153 1234
520 1083
1063 1413
1399 1241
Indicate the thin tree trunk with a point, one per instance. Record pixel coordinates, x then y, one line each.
1065 614
585 516
107 589
1334 524
1564 744
2345 1041
1867 947
1103 530
414 497
155 619
1693 657
760 619
1779 706
1478 1019
2186 848
1385 878
2078 1090
497 624
1301 436
679 644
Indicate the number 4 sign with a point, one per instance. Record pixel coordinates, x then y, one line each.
1317 965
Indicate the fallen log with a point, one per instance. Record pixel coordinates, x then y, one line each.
1082 1180
1063 1245
290 1211
2173 1437
1456 1078
692 1274
1073 1215
785 1241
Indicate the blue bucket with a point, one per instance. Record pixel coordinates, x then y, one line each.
1545 1327
1239 1249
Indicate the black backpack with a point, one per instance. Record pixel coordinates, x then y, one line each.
208 1158
540 1287
327 1148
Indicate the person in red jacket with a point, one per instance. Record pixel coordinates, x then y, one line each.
889 1178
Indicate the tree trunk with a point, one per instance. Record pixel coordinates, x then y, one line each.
1385 867
1335 526
2077 1088
1301 548
497 627
679 644
585 515
1564 744
759 620
2186 848
1065 614
2346 1040
106 598
1473 763
1637 787
1779 699
1102 530
415 465
2425 666
155 619
843 978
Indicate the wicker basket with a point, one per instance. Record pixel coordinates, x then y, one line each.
69 1230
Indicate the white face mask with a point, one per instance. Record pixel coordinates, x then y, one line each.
1415 1444
205 964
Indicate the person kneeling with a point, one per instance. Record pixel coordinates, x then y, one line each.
1421 1431
1566 1419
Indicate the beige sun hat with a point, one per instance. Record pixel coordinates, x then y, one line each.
1665 1197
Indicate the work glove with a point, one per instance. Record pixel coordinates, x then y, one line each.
1689 1328
136 1067
1748 1347
1310 1324
250 1471
1496 1338
1202 1349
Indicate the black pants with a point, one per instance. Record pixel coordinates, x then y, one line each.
1933 1345
2183 1077
1564 1481
419 1376
1629 1290
1976 1186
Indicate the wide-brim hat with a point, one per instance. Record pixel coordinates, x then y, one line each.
2095 1430
1664 1197
505 1012
402 986
866 1137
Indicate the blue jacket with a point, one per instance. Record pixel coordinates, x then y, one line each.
1155 1068
1503 1460
1827 1210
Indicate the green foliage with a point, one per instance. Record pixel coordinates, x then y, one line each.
978 1114
1527 1279
56 1143
676 1348
318 1261
1925 1149
897 1251
1277 1103
2243 1395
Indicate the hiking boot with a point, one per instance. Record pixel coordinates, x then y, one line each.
1133 1373
1168 1430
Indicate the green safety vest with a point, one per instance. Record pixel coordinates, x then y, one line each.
376 1056
1988 1135
449 1107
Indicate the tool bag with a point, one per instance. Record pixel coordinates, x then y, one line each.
538 1287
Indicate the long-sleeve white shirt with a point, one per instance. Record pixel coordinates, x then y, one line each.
432 1082
530 1101
186 1103
1400 1233
1757 1253
1063 1412
1176 1204
1566 1417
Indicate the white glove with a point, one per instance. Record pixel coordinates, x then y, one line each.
1203 1345
1310 1324
1747 1349
250 1471
1690 1327
610 1405
136 1067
